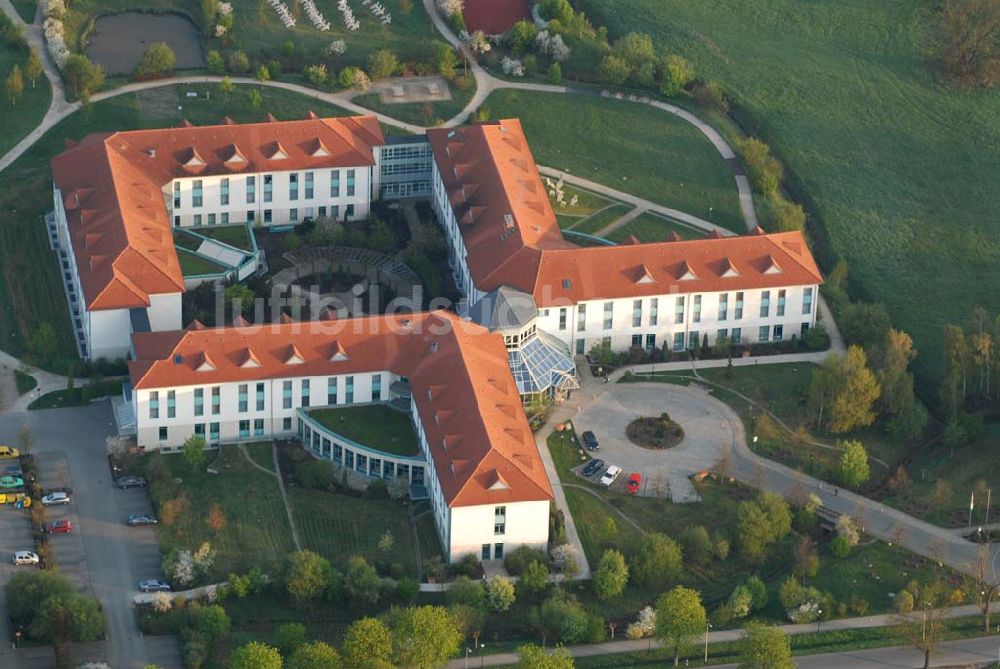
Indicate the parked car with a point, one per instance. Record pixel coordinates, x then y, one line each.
632 485
592 467
25 557
610 475
8 452
154 585
12 470
54 498
58 527
11 482
124 482
590 441
137 519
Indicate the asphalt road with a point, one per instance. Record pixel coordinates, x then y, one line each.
114 556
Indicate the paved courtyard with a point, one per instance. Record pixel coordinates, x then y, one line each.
706 431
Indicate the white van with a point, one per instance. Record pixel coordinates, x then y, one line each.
610 475
25 557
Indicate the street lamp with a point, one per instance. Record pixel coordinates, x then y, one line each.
755 441
819 615
482 654
708 626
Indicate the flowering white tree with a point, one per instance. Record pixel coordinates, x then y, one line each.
512 67
559 50
644 625
451 7
225 8
848 529
182 570
338 47
55 40
162 602
220 30
55 9
478 43
204 557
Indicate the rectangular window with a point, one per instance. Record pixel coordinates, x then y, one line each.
331 390
721 333
349 212
258 427
244 403
293 215
293 186
177 221
224 218
350 183
211 219
305 392
335 185
199 430
779 332
260 397
636 313
309 185
499 529
764 334
349 390
268 187
376 387
581 317
199 401
216 400
609 310
679 341
696 316
286 395
251 190
693 339
154 404
267 216
163 434
765 303
171 404
804 330
636 341
224 191
737 335
807 300
723 306
197 220
244 429
197 193
654 311
213 432
739 306
781 303
679 309
286 424
562 319
177 195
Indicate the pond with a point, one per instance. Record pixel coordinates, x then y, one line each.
119 40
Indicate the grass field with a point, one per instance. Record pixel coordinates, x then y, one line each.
648 227
25 9
339 526
30 291
373 425
627 146
586 202
601 219
256 531
237 236
192 265
900 168
20 119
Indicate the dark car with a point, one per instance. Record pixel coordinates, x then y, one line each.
154 585
590 441
12 470
58 527
593 467
124 482
137 519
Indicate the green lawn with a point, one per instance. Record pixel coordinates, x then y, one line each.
237 236
194 265
25 382
30 290
586 202
58 399
627 146
424 113
900 168
649 227
25 9
339 526
256 531
603 218
373 425
27 112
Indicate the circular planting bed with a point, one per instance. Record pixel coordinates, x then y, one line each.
655 433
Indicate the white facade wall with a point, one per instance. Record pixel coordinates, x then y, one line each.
107 333
497 529
274 418
457 253
678 314
279 210
440 508
164 312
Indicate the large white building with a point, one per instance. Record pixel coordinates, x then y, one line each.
503 236
477 460
117 197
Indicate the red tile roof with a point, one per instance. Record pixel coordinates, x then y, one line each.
111 190
513 238
494 17
468 402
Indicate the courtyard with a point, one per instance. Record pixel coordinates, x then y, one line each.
374 425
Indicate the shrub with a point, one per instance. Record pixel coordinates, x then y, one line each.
657 560
710 96
758 592
382 64
613 71
239 62
555 73
677 73
517 560
764 170
740 602
697 545
611 576
215 62
289 636
317 75
840 546
157 61
499 594
534 579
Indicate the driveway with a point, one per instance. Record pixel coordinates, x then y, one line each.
706 432
71 443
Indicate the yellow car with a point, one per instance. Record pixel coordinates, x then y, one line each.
8 452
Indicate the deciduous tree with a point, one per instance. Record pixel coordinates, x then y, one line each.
536 657
680 617
14 85
611 576
657 561
843 391
193 451
33 67
255 655
157 61
854 469
314 655
307 575
760 523
423 636
765 647
970 40
367 645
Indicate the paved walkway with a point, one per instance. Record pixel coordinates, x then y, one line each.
627 646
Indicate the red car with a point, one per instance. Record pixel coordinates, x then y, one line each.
58 526
632 485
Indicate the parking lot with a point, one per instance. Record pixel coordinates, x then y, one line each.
102 555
